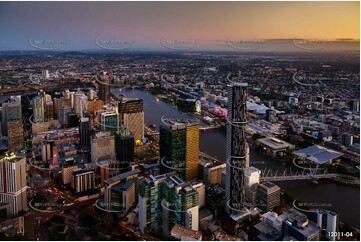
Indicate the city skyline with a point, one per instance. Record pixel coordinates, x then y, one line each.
188 121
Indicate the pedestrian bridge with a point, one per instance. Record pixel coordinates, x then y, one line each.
336 177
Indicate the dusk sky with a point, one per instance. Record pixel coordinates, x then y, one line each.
78 24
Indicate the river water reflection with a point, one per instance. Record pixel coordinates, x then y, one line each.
339 198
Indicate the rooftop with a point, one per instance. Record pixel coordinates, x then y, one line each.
274 143
318 154
124 185
121 176
182 231
239 84
175 124
221 236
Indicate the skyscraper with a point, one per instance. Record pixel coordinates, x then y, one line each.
12 117
132 116
179 147
44 107
45 74
124 147
72 120
104 89
102 146
91 94
166 200
271 115
237 148
84 132
62 115
109 121
80 103
93 107
49 108
39 108
15 136
13 109
58 103
354 105
13 183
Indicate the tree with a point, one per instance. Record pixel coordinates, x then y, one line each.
88 219
257 136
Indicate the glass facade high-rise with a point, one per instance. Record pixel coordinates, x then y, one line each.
124 147
39 108
179 148
104 90
13 123
166 200
15 136
109 121
84 132
237 148
132 116
72 119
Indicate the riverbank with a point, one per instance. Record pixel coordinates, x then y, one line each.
213 142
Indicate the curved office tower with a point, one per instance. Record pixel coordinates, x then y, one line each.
237 148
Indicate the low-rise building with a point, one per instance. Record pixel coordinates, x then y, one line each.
297 225
275 147
222 236
83 180
268 196
317 154
184 234
211 171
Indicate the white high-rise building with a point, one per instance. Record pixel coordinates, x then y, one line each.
45 74
82 105
62 114
91 94
38 109
251 176
102 146
13 183
66 94
80 99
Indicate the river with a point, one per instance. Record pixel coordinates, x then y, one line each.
339 198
